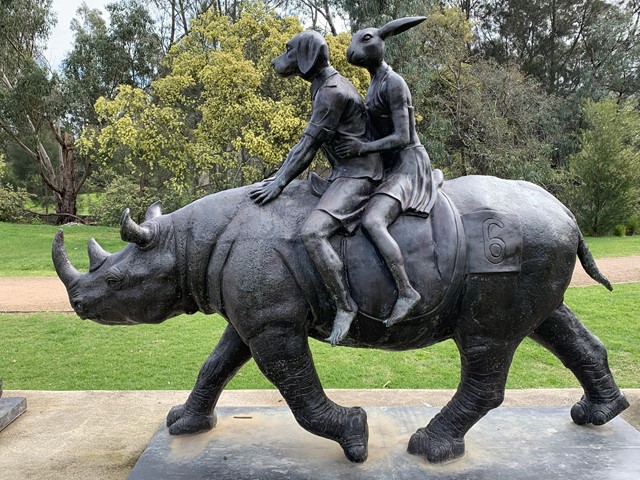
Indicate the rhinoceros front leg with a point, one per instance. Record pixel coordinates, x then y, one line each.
283 355
584 354
485 366
196 414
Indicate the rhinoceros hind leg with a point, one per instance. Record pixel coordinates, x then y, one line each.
180 422
485 366
587 411
196 414
584 354
284 358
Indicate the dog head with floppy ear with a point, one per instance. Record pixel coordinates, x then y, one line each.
306 54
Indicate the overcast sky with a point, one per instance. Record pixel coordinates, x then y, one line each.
61 38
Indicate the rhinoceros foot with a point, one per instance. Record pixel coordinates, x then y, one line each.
436 448
355 441
587 411
180 422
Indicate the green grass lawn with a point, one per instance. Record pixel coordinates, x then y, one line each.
26 249
60 352
614 246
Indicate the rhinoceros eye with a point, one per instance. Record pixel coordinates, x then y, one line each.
115 278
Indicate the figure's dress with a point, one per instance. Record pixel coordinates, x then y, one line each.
408 171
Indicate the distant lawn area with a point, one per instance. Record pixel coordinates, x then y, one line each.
86 204
60 352
614 246
26 249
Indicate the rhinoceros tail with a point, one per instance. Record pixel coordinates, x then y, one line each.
589 264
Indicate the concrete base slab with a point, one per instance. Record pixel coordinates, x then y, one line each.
266 443
10 409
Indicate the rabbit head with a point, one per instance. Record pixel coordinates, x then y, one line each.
367 45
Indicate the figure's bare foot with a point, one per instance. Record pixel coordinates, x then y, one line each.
403 306
341 325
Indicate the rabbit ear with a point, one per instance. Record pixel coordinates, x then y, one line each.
399 25
310 46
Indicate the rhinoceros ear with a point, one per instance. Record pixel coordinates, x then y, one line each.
155 210
131 232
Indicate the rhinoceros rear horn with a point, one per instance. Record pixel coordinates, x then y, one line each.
131 232
97 255
64 268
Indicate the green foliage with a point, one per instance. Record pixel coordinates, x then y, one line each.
221 117
32 108
479 117
620 230
567 45
607 169
12 200
12 204
61 352
123 193
126 50
221 111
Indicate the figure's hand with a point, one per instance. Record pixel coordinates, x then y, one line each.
265 193
351 148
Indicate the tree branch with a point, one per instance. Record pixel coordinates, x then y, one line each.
18 141
85 175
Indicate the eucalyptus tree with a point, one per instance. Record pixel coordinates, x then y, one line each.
31 101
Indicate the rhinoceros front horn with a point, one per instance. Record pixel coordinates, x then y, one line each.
131 232
64 269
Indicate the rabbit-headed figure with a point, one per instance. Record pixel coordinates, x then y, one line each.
408 183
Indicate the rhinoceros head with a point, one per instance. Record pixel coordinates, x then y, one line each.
139 284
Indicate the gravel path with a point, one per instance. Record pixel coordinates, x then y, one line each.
47 294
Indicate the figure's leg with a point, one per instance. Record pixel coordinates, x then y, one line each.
316 232
197 415
381 212
283 355
485 365
584 354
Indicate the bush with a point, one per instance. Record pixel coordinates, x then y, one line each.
124 193
620 230
633 226
12 207
607 168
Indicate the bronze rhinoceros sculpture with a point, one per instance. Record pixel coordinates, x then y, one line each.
492 264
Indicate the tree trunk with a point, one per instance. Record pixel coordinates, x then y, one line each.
66 198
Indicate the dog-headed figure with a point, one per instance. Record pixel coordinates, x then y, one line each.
338 116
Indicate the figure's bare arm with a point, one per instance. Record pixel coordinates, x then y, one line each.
299 158
325 119
399 99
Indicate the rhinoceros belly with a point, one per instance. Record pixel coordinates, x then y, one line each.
434 252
